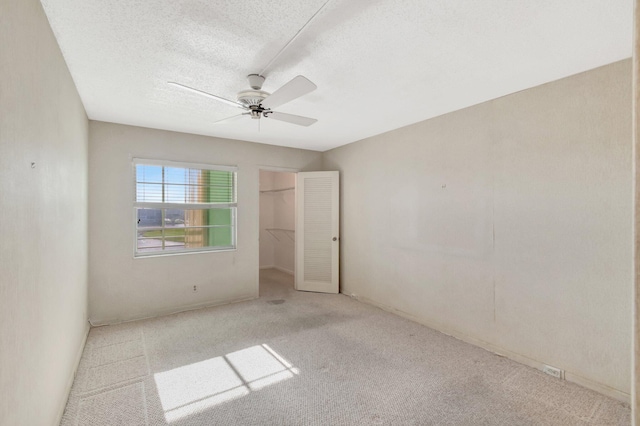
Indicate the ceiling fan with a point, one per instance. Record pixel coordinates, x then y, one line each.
257 103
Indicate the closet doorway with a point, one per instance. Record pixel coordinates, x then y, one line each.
277 231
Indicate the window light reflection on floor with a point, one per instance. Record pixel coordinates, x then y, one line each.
193 388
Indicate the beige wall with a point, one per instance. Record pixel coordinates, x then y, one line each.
124 288
507 224
635 397
43 220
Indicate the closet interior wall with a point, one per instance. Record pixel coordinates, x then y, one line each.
277 220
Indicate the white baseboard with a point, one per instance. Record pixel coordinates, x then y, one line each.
186 308
278 268
286 271
522 359
72 377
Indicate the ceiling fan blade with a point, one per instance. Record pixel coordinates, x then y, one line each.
209 95
230 119
290 118
295 88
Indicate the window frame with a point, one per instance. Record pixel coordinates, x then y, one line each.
183 206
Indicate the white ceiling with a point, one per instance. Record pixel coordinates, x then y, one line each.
378 64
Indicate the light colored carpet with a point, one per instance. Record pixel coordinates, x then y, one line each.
294 358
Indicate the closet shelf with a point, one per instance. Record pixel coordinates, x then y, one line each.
287 232
277 190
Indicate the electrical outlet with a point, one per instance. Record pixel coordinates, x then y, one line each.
195 288
553 371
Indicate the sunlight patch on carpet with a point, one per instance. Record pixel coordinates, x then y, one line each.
196 387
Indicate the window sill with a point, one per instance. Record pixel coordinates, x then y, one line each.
182 253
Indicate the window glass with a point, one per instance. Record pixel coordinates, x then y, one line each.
184 209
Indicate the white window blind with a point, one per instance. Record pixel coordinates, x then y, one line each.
181 207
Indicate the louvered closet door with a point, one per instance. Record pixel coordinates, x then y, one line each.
317 238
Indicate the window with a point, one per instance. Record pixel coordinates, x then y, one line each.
184 207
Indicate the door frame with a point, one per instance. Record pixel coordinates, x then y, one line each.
257 215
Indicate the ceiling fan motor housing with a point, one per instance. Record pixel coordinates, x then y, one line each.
251 98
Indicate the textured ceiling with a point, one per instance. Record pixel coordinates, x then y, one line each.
378 64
